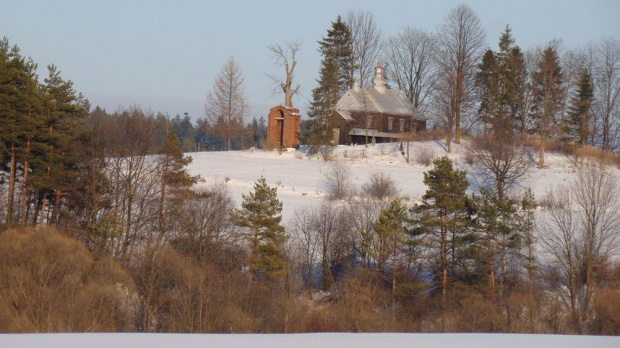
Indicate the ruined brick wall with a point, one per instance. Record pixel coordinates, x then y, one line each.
283 127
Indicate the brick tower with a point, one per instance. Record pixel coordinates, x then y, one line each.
283 127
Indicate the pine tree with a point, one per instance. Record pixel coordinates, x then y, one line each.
20 112
261 214
499 236
546 90
575 127
64 110
444 214
174 176
390 228
526 227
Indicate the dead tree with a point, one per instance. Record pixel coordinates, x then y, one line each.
285 56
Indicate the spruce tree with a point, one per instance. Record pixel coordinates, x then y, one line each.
338 44
260 215
486 85
334 80
575 127
502 86
546 93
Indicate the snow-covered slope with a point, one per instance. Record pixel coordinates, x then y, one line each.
323 340
301 179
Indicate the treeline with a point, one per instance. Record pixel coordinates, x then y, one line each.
463 86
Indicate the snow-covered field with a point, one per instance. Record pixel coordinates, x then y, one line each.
323 340
301 179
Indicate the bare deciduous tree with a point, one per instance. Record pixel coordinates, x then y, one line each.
461 43
227 99
411 57
367 43
607 79
500 160
285 56
338 178
580 232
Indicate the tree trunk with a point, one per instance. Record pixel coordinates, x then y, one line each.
444 267
25 186
56 209
9 206
541 155
43 200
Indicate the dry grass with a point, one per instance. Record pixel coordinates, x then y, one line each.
428 135
552 145
591 152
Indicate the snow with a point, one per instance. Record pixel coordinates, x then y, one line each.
340 340
301 184
301 179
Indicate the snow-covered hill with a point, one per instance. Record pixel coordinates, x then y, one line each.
301 180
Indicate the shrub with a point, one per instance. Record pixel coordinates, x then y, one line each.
338 177
424 155
380 186
52 284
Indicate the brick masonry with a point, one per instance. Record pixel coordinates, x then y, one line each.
283 127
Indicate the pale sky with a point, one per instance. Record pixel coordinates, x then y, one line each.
164 55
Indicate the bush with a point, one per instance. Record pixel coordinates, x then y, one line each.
424 155
50 283
338 177
380 186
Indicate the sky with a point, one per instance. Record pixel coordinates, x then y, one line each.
164 55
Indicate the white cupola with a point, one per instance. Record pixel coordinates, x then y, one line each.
379 81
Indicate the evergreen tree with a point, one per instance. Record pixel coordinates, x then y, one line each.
526 227
390 228
501 82
20 103
498 237
335 78
324 98
64 110
519 88
444 215
338 44
261 214
486 85
575 126
546 93
174 175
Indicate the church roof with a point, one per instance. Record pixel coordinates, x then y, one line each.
377 99
369 99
